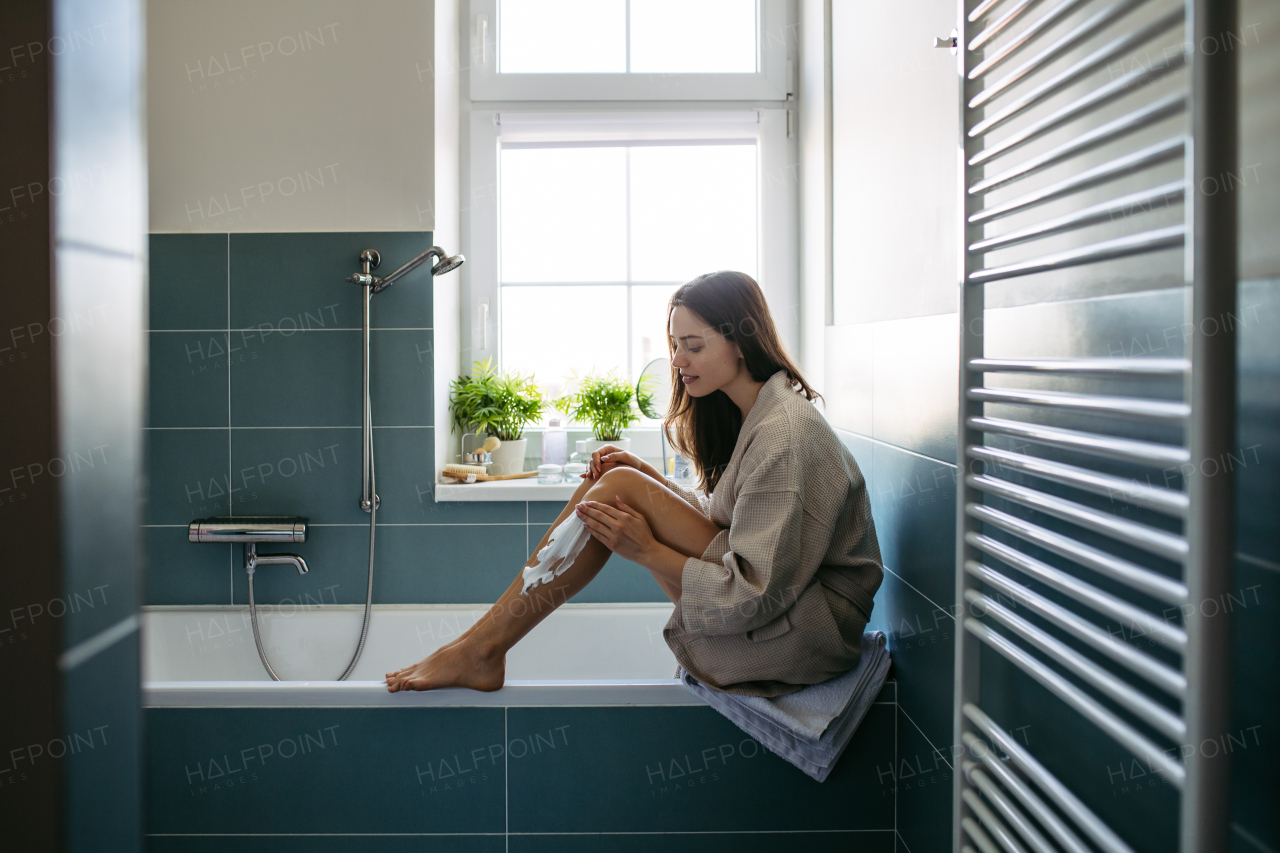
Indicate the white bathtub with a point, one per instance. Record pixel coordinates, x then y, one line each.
583 654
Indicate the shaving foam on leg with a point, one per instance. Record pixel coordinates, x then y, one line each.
566 542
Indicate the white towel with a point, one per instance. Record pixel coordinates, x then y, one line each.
566 542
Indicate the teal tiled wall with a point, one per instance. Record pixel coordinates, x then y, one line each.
683 778
255 410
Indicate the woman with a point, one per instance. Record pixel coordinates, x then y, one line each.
772 569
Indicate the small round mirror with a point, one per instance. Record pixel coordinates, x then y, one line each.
653 391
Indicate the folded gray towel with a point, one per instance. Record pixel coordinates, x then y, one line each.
811 727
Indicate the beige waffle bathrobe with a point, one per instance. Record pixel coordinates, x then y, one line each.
780 598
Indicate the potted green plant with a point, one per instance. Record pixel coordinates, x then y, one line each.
607 403
500 404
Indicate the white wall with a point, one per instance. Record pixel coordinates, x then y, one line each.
814 98
895 183
447 288
293 115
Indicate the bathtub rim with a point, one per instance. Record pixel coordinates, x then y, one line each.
266 607
373 694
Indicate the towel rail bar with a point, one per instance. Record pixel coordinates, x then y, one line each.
1030 801
1159 410
1061 796
1166 678
1077 109
1133 204
1157 542
1130 574
1160 499
993 824
1098 366
1152 713
982 8
1067 76
1120 167
1097 444
1141 622
1118 729
1171 237
1101 135
995 27
984 842
1005 806
1027 35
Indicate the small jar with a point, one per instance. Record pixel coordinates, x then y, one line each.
549 474
682 472
573 472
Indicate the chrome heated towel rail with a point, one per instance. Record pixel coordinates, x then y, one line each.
1067 108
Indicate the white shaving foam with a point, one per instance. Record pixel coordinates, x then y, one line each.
566 542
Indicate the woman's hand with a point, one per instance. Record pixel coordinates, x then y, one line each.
623 531
609 456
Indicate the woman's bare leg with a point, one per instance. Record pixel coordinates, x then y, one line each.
477 658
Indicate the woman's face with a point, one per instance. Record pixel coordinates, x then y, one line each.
706 360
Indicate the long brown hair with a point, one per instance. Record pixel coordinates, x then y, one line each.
705 429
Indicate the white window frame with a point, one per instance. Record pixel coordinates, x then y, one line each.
777 222
770 82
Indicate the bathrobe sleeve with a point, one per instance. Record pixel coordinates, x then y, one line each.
754 572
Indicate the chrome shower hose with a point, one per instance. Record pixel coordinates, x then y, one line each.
368 596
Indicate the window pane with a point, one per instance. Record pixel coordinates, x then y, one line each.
562 36
688 36
564 214
693 210
554 331
649 325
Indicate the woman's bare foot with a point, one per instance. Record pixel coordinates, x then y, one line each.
460 664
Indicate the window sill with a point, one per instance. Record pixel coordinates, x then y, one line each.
504 490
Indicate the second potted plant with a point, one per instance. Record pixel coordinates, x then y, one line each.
500 404
605 402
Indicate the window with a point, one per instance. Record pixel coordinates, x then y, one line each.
594 238
629 49
618 37
584 210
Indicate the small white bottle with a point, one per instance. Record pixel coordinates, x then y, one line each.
555 444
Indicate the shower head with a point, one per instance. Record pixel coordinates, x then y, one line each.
442 265
448 264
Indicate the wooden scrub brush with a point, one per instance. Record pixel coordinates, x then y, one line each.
476 474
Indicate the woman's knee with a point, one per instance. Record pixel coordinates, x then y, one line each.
623 482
